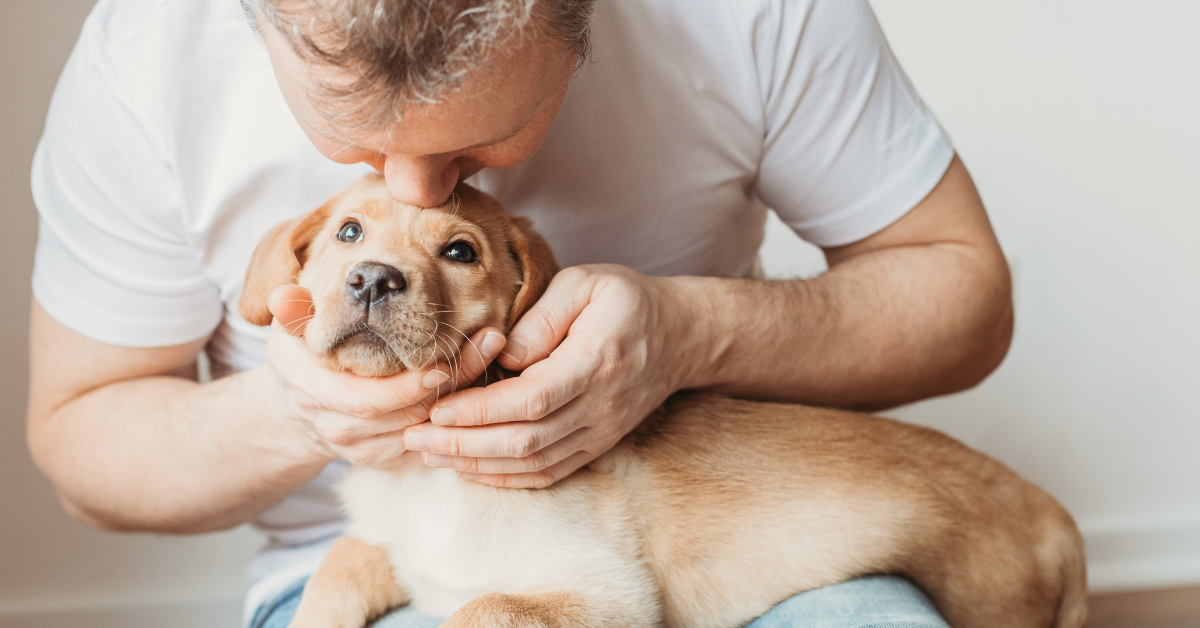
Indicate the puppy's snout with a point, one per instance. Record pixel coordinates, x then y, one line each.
371 282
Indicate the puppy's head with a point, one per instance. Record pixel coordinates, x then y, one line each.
398 287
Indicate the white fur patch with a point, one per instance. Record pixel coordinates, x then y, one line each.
451 541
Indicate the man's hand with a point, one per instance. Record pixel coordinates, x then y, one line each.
357 418
602 348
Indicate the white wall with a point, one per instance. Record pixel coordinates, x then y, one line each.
1079 121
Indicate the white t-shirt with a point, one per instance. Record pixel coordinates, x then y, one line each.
168 153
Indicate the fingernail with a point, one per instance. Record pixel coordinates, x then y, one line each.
468 476
491 345
433 379
444 416
516 349
436 460
416 441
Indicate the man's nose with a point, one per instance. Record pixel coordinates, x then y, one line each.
371 282
420 181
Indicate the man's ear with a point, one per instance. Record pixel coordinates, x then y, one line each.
277 261
537 263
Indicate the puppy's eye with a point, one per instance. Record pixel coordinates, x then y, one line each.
350 232
460 252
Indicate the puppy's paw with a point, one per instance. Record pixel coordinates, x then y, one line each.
498 610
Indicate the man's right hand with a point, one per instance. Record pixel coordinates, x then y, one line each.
358 418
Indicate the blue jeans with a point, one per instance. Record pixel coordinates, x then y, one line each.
871 602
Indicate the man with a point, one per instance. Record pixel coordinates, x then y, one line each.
170 150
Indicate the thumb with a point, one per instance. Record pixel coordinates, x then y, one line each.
544 326
292 306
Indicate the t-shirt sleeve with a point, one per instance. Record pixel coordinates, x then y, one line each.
849 147
115 260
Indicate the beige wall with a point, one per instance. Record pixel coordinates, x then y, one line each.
1078 120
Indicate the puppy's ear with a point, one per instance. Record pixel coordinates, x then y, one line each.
277 261
537 263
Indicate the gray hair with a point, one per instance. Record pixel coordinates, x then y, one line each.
410 51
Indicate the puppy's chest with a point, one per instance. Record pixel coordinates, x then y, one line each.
451 541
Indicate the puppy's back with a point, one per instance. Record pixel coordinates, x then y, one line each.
744 504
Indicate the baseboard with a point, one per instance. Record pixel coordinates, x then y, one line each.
1132 554
213 613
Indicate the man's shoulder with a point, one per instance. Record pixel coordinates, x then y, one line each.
145 41
122 24
171 64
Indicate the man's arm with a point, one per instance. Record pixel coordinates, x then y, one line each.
921 308
131 442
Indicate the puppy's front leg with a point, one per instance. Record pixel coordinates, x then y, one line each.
353 585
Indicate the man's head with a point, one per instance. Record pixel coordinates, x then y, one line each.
427 92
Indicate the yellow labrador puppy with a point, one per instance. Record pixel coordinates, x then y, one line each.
706 516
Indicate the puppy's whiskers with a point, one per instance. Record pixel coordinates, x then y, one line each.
453 367
473 346
417 349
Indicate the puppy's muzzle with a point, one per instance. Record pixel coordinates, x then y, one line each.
372 283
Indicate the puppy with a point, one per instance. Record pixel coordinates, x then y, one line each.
706 516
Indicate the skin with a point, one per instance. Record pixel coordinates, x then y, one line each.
132 442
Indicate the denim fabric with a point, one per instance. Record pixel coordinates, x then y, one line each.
278 611
871 602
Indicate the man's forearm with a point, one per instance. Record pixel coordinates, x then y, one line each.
870 333
166 454
922 308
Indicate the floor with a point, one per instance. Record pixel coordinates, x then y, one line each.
1167 608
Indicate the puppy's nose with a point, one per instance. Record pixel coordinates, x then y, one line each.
371 282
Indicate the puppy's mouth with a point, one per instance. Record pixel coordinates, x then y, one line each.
366 350
383 350
365 336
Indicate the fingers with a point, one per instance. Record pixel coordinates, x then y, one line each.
545 324
510 440
539 479
292 306
385 452
345 431
537 461
540 390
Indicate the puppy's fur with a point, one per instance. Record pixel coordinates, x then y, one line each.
707 515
